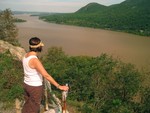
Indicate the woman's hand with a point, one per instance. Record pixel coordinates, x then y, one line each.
65 88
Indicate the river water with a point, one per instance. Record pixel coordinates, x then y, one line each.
77 41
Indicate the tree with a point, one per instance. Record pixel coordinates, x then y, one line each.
8 30
115 87
101 84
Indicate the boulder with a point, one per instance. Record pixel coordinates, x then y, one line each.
15 51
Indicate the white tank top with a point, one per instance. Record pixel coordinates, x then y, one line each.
31 76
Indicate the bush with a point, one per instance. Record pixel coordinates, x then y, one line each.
104 84
11 75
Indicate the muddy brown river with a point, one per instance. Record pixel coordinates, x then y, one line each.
77 41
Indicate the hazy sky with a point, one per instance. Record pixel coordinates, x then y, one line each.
51 5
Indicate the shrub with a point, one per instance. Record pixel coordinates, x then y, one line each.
11 75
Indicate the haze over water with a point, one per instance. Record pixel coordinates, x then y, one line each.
76 41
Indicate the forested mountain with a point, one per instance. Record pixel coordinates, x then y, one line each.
131 16
91 8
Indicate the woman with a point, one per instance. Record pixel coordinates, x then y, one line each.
33 77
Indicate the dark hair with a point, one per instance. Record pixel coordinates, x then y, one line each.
33 42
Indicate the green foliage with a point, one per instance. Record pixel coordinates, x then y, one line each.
115 89
19 20
103 84
99 84
131 16
91 8
86 109
8 30
54 63
145 101
11 75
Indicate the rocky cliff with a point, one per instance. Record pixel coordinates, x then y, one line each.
17 52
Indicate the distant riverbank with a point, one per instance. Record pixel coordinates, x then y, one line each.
77 41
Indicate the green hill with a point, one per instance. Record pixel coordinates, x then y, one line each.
131 16
92 8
